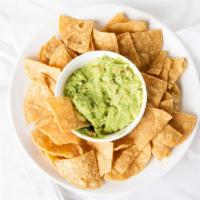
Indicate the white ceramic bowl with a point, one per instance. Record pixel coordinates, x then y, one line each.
79 62
155 169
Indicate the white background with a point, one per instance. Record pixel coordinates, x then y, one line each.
19 21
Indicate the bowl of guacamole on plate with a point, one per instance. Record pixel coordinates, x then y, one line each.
107 91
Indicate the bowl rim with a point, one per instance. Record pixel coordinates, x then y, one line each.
78 63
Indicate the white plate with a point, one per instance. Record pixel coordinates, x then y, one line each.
155 169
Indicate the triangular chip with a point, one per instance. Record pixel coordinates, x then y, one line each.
167 96
127 156
48 49
129 26
65 114
166 105
104 154
155 89
151 123
81 171
44 143
60 57
118 18
157 64
123 143
127 49
177 68
167 138
165 69
175 92
34 69
75 33
35 107
148 44
91 45
105 41
49 127
138 164
184 123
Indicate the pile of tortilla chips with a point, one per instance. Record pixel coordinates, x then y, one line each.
162 127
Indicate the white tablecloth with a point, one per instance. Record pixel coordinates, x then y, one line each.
19 21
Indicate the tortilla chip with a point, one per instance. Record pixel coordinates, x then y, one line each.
81 171
50 82
48 49
44 143
151 123
34 69
127 49
165 69
167 96
175 92
75 33
138 164
64 113
167 138
184 123
157 64
129 26
147 44
155 89
60 57
118 18
104 154
177 68
49 127
127 156
123 143
35 107
71 52
91 46
105 41
166 105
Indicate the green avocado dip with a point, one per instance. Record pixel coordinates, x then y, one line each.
107 93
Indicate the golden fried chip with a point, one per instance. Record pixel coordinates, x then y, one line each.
148 44
165 69
64 113
177 68
91 45
118 18
104 154
60 57
176 96
138 165
127 156
105 41
35 107
34 69
75 33
53 158
157 64
184 123
167 96
166 105
49 127
167 138
129 26
50 82
44 143
48 49
123 143
151 123
71 52
127 49
81 171
155 89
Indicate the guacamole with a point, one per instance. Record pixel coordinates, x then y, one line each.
107 93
